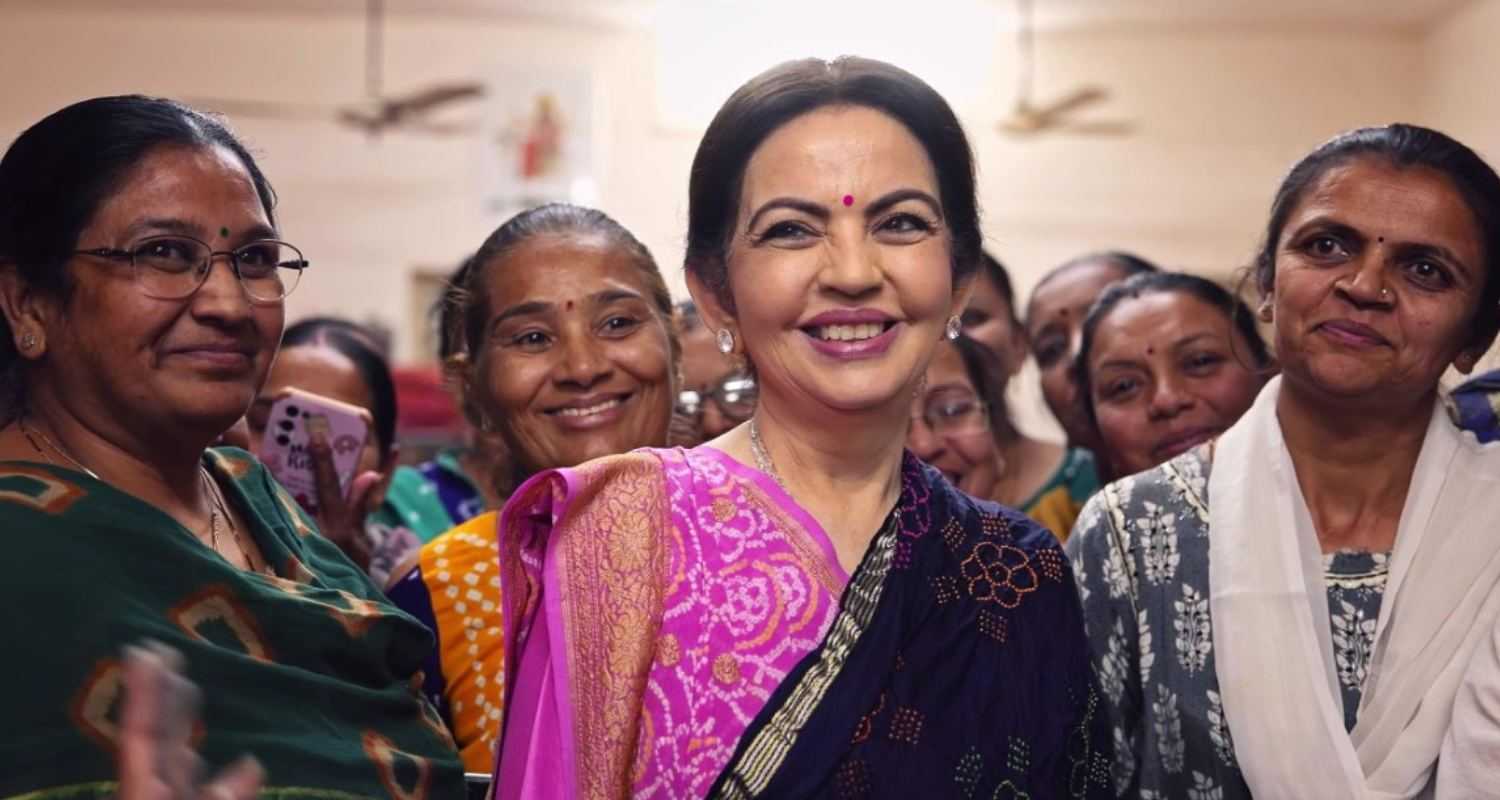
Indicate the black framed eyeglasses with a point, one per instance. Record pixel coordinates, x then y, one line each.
734 394
174 267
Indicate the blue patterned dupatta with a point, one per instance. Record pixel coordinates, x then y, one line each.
957 667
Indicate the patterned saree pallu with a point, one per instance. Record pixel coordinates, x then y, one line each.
679 628
308 670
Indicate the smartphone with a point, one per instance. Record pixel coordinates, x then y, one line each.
294 417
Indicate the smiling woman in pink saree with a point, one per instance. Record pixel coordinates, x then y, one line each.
799 608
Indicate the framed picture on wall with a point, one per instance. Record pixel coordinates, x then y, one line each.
539 142
427 287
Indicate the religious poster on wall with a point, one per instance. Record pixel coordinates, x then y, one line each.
538 140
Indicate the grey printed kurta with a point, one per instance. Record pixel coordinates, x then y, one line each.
1147 536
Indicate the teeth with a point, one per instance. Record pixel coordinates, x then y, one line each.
848 333
594 409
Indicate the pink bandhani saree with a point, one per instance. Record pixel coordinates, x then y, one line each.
677 627
685 586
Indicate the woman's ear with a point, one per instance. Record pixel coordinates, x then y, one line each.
710 308
27 312
1468 358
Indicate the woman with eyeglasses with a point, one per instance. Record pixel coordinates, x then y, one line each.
142 283
570 354
960 425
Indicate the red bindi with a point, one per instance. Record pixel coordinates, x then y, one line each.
568 305
848 200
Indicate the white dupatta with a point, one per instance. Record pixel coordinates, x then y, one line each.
1274 658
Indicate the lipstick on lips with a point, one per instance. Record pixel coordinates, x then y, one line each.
851 334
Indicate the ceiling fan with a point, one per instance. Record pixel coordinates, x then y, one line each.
1026 117
379 112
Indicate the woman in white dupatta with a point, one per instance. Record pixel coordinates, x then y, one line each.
1239 652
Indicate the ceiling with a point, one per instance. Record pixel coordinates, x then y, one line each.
1396 15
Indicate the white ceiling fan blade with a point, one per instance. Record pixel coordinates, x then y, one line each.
1103 127
1078 98
1023 122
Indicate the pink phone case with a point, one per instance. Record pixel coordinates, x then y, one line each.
284 448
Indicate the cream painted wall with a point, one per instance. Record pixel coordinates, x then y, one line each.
1461 64
367 211
1219 115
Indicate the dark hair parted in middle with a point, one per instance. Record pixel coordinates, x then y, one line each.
358 344
554 219
1148 283
1405 146
58 173
790 90
472 306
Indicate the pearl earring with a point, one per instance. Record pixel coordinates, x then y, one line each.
28 341
955 327
725 340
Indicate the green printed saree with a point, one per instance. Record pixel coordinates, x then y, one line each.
309 670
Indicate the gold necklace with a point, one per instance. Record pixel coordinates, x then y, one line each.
219 507
763 460
213 510
216 508
26 431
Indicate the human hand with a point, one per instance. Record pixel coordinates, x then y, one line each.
341 519
156 756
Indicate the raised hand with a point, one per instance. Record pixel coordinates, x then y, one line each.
341 520
156 756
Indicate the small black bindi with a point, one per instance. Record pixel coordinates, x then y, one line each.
223 233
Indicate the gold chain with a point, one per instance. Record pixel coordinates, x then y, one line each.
26 431
763 460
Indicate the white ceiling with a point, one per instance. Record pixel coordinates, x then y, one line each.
1402 15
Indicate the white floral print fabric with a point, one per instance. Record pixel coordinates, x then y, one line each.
1140 552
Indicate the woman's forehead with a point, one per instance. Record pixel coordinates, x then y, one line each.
834 152
205 189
